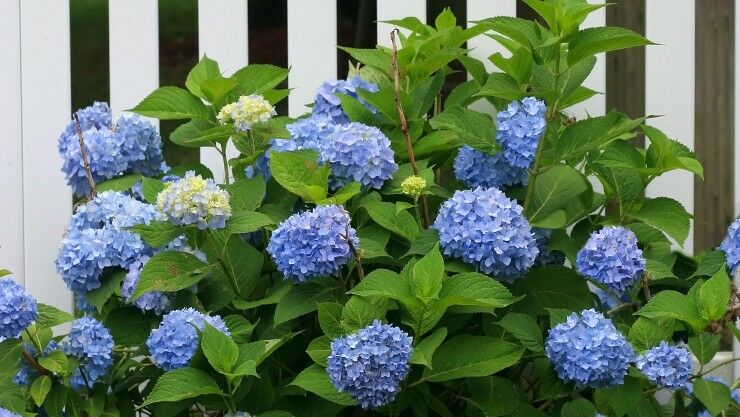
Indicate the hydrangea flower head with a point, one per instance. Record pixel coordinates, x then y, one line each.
327 102
4 412
155 301
611 256
413 186
194 200
370 364
246 111
485 228
588 350
18 309
477 169
92 344
731 246
518 130
173 344
132 145
666 366
358 152
97 239
314 243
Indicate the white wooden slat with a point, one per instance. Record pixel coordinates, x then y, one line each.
736 343
133 38
481 47
669 89
394 9
11 158
312 49
596 105
45 84
223 36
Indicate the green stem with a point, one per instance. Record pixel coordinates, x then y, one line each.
534 172
222 151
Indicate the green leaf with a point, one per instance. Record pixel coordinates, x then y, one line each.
122 183
299 173
241 329
592 133
502 86
472 128
315 379
525 329
401 223
646 333
170 271
493 395
330 316
220 349
215 88
5 272
623 398
129 326
579 407
343 194
426 240
427 275
715 396
158 233
554 189
55 401
110 283
665 154
150 188
384 283
240 261
474 289
319 349
551 287
55 361
303 299
359 312
246 194
624 183
172 103
704 346
198 133
673 304
50 316
40 389
591 41
558 315
10 355
667 215
247 221
424 350
182 384
205 69
714 296
470 356
259 78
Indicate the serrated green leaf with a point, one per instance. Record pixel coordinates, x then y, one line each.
472 128
319 349
158 233
170 271
220 350
622 398
56 361
150 188
129 326
303 299
474 289
424 351
359 312
714 296
714 395
247 222
181 384
427 275
110 283
704 346
554 189
401 223
665 214
471 356
172 103
50 316
246 194
40 389
330 316
315 379
299 173
646 333
205 69
122 183
540 291
591 41
673 304
525 329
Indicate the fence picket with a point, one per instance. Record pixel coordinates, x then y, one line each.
44 29
393 9
223 36
596 105
312 53
669 89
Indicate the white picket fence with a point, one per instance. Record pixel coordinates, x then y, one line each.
35 88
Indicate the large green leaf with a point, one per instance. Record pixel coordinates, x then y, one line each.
299 173
592 133
170 271
622 398
258 78
50 316
158 233
470 356
704 346
472 128
424 350
400 222
220 350
383 283
240 261
129 326
205 69
474 289
665 214
553 190
646 333
171 103
247 222
665 154
551 287
591 41
714 296
502 86
715 396
315 379
246 194
427 275
673 304
304 298
197 133
525 329
181 384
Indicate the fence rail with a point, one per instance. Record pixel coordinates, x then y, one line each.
35 86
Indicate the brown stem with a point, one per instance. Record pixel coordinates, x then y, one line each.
646 287
35 365
357 255
404 122
88 171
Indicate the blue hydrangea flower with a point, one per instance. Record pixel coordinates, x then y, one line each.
588 350
313 244
666 366
611 256
92 344
97 239
370 364
194 200
173 344
82 304
26 374
731 246
360 153
546 257
477 169
7 413
518 130
155 301
485 228
132 145
17 309
327 102
305 133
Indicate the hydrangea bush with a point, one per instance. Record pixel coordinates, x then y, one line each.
395 251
